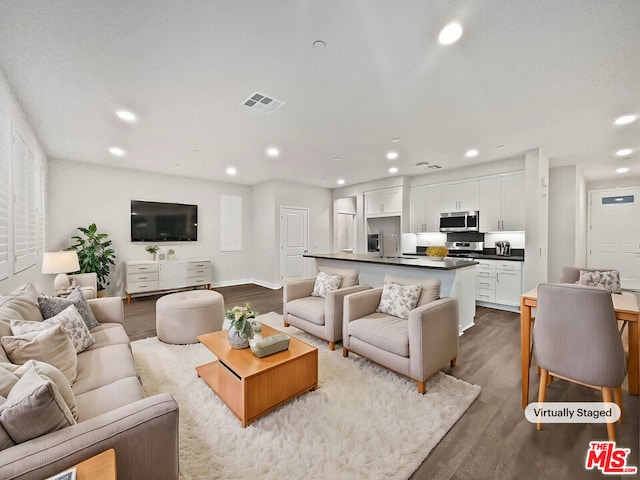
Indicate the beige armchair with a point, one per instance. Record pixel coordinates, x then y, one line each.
321 317
417 347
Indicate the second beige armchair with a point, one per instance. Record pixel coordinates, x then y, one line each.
417 346
321 317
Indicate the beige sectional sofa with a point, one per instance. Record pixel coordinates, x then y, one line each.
112 411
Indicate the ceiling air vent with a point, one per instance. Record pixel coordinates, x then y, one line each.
261 103
428 166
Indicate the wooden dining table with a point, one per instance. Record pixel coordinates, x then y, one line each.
626 308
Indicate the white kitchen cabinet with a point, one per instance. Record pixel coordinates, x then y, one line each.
502 203
424 209
457 197
383 203
149 277
499 282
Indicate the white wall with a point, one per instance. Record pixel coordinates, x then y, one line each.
563 207
19 122
536 196
268 198
515 164
81 193
619 182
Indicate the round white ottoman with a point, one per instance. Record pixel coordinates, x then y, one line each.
182 316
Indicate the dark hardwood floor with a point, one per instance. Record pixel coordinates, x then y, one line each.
492 440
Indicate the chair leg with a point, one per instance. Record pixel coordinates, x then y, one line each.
454 361
421 387
345 352
332 346
542 391
285 324
617 395
607 396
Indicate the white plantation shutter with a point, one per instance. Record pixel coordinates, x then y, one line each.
5 155
26 182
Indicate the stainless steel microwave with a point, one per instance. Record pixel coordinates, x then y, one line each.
460 221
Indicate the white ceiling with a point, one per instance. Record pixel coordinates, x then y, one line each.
526 74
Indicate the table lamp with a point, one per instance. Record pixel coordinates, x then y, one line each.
62 262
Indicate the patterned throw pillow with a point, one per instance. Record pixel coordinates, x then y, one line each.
325 283
607 279
51 306
399 300
72 324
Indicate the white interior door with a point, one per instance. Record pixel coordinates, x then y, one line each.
614 233
294 242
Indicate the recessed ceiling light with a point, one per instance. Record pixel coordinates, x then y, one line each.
393 170
625 119
117 151
273 152
395 140
471 153
127 116
336 159
231 171
341 181
451 33
392 155
622 170
624 152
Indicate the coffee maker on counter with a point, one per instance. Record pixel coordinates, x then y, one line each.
503 248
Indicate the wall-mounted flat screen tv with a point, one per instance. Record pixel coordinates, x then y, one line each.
163 222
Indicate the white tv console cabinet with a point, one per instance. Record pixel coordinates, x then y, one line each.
146 277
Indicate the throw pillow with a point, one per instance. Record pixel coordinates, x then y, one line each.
72 324
399 300
34 408
607 279
57 377
23 301
5 439
325 283
51 346
7 380
51 306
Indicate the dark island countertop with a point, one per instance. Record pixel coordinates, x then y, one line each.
403 260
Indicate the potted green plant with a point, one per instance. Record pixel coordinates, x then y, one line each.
241 329
94 254
152 249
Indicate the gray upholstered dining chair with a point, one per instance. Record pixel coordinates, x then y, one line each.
417 346
319 316
575 338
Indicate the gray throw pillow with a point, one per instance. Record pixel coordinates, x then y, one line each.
34 408
72 324
51 306
5 439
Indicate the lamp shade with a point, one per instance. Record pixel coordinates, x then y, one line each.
60 262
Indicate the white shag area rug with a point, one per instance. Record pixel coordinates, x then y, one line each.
363 421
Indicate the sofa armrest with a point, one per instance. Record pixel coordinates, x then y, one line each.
144 435
295 289
107 309
433 336
334 307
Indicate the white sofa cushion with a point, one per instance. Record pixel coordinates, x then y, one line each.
383 331
308 308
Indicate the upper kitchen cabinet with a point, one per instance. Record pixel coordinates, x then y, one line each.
460 196
502 203
424 209
383 203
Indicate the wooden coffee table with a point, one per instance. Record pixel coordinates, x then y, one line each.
252 386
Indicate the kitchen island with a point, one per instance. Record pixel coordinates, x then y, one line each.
457 275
